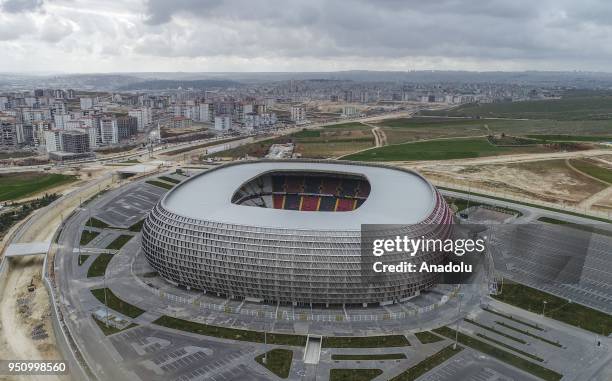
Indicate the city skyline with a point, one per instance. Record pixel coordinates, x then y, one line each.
61 36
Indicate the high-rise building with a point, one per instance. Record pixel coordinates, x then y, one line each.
241 110
60 121
181 122
53 140
8 133
298 115
348 111
363 97
109 132
348 96
143 116
127 126
75 141
223 122
206 112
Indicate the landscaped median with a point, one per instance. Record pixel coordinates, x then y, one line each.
87 236
277 361
118 243
527 333
365 341
98 266
427 337
498 332
428 364
109 329
169 179
504 356
230 333
160 184
280 338
366 357
514 319
116 304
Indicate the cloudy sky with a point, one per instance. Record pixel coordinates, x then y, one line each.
309 35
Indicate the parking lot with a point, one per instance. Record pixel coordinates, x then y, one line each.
155 354
572 264
131 205
473 366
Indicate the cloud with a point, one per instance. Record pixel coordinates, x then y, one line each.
54 30
273 35
19 6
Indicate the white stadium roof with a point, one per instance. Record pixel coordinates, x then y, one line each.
397 196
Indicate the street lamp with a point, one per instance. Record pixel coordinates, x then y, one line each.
105 302
544 307
459 296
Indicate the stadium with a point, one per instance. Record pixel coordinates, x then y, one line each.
289 232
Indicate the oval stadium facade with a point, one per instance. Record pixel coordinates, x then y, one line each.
290 231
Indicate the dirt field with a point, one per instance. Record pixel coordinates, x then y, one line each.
23 314
548 180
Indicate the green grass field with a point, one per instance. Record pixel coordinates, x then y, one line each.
591 169
557 308
327 142
572 106
572 138
278 361
349 126
19 185
500 354
98 266
422 122
353 374
116 304
230 333
428 364
365 341
87 236
431 150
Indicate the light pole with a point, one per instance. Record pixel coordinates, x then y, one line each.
459 296
105 302
544 307
265 359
